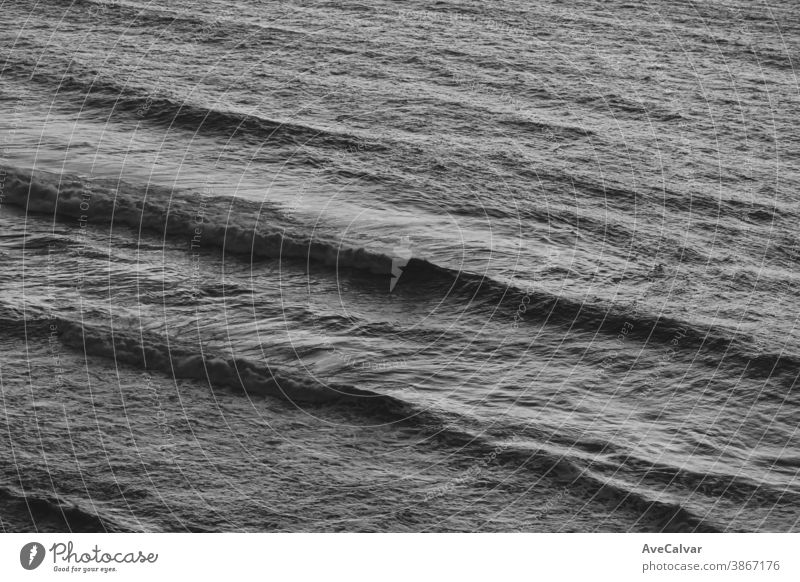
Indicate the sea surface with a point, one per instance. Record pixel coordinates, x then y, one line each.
399 266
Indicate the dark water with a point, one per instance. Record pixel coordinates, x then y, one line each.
399 267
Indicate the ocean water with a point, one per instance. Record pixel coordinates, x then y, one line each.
462 266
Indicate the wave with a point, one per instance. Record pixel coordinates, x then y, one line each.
737 487
260 379
198 28
539 127
259 231
622 198
232 225
239 374
254 379
39 512
153 105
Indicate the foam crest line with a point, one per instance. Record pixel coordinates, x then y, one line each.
663 515
232 225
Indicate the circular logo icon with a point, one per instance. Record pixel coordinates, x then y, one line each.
31 555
